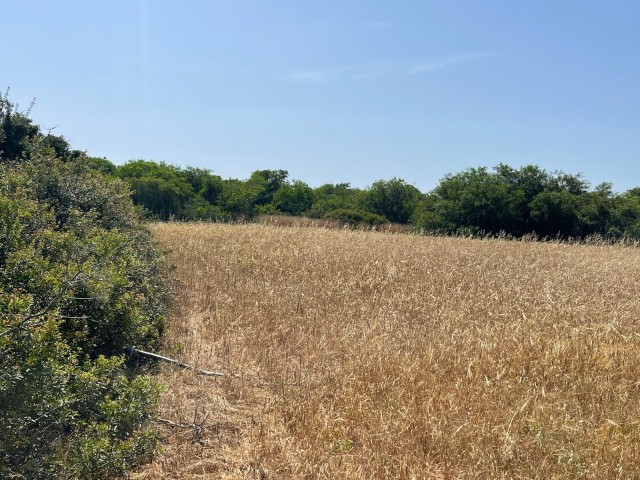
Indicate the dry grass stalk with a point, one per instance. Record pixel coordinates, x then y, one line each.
371 355
292 221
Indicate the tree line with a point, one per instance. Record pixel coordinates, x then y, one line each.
502 200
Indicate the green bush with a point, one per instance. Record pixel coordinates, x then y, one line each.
355 217
80 280
526 201
393 199
293 198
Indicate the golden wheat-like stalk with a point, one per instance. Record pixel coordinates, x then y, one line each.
374 355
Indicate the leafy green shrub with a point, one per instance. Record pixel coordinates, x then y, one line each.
355 217
201 210
393 199
80 280
293 198
526 201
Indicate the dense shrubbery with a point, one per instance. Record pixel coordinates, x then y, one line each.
80 280
525 201
504 200
169 192
509 201
355 217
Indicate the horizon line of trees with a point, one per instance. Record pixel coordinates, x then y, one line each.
504 200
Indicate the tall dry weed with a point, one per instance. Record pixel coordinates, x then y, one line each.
371 355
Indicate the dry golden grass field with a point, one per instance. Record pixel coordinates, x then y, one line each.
356 355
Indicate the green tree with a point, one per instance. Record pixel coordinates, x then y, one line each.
293 198
595 214
101 165
17 131
19 136
394 199
475 200
355 217
528 181
239 198
204 183
266 183
626 215
564 182
329 198
158 187
556 213
521 201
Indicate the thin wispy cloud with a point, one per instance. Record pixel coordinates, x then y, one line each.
309 76
377 70
441 63
355 72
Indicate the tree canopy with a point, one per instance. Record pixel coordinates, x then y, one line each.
502 200
529 200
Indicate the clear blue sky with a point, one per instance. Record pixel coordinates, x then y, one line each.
336 91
